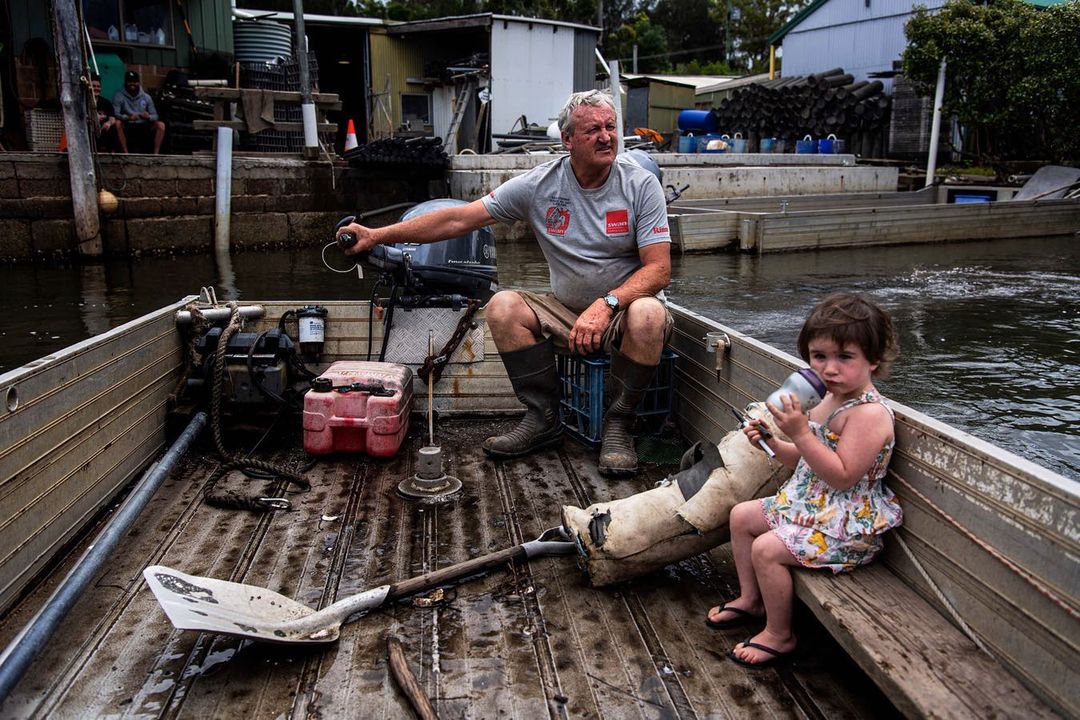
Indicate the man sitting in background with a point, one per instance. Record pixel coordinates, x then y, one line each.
110 129
134 106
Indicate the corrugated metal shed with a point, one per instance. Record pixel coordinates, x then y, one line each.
655 103
393 61
861 36
534 66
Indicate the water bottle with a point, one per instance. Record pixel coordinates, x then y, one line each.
804 384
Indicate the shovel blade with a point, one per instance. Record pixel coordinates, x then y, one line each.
199 603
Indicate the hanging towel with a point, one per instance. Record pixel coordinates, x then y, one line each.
258 107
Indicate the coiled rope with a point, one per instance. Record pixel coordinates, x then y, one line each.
225 498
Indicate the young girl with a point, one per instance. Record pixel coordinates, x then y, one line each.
833 510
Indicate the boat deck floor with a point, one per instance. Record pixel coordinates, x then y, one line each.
528 641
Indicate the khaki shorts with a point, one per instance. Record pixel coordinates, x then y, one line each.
557 320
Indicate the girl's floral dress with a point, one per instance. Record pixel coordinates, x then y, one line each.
835 529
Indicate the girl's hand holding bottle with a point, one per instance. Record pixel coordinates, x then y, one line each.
790 418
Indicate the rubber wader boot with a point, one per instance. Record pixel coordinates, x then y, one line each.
629 381
536 384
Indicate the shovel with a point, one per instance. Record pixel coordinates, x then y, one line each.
248 611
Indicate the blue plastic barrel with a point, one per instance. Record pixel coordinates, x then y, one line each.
826 146
702 120
806 146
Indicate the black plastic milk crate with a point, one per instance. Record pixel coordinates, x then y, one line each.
583 379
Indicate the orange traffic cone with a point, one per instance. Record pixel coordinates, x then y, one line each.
350 137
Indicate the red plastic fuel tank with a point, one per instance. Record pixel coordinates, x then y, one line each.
358 407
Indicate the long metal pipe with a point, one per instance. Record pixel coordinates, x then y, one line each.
616 95
307 107
223 190
17 656
935 127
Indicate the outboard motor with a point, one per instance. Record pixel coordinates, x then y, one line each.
434 285
645 160
464 265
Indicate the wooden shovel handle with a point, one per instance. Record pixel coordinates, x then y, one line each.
455 572
406 680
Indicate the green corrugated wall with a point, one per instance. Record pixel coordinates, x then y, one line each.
210 20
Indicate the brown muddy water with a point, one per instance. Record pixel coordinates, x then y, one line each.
990 331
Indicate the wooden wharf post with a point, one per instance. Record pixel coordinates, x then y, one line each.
73 89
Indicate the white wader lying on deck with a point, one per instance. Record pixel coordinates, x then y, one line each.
684 515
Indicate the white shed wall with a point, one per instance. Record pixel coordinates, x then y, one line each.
532 72
848 34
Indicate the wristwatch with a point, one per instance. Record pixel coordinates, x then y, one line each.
612 302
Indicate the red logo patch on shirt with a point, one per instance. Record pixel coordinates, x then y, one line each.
558 220
618 222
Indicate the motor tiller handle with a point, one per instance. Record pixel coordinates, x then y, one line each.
346 239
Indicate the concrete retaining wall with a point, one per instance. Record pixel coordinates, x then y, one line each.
167 203
707 175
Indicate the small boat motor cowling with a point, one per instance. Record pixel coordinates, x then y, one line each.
463 265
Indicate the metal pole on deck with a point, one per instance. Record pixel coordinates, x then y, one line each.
311 135
935 128
17 656
68 32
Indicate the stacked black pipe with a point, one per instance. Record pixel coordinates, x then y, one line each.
818 105
417 151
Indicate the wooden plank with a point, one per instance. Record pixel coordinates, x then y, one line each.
924 664
242 125
226 93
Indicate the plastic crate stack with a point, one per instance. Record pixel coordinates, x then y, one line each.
583 380
43 128
283 75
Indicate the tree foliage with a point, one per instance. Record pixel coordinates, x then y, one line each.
1012 74
690 29
651 44
757 20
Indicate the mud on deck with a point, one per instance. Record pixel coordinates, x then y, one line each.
530 641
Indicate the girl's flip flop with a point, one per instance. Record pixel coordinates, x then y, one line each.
742 617
777 656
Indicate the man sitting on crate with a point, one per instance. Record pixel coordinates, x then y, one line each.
602 225
135 107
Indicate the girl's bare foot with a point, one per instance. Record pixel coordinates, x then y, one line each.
735 612
764 649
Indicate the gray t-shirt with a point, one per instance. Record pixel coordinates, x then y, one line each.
590 238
